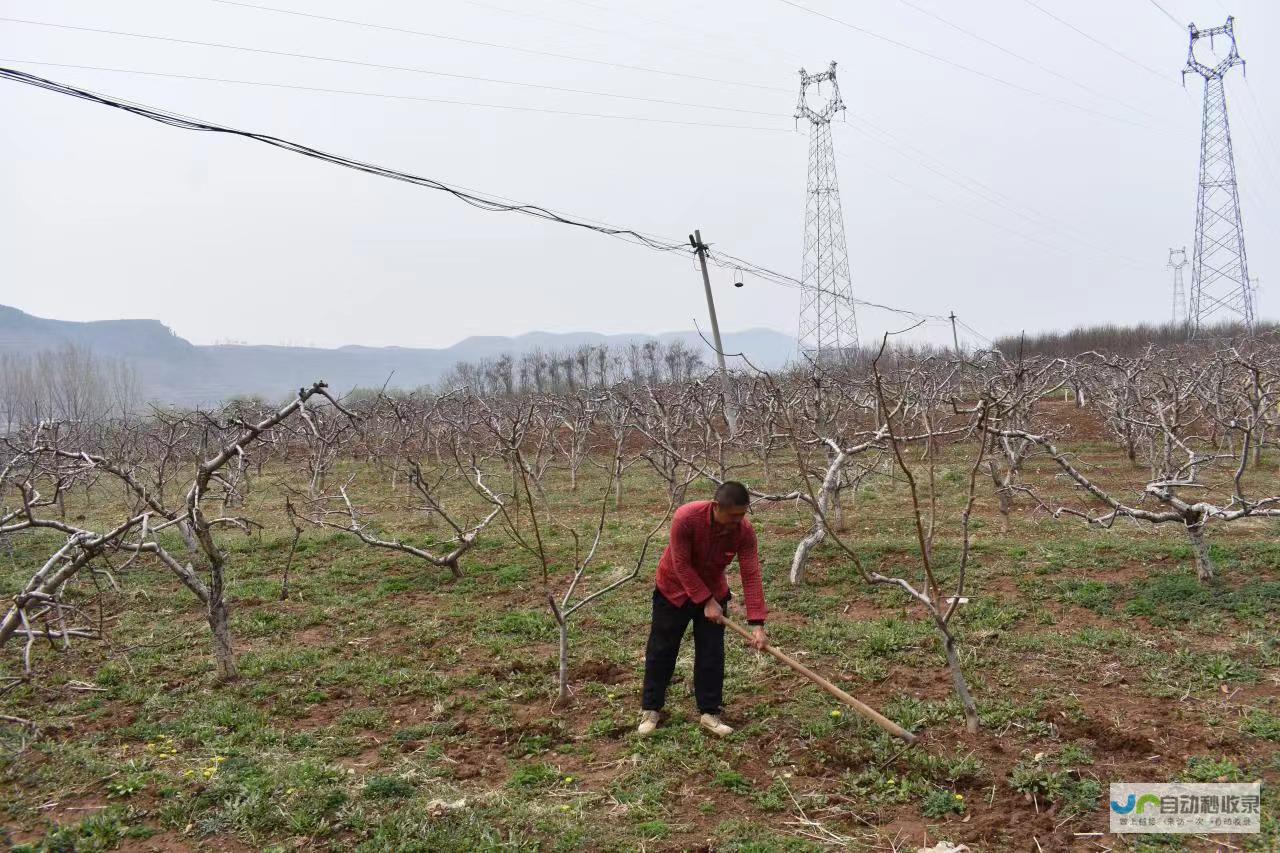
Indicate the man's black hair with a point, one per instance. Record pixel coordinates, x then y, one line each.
732 493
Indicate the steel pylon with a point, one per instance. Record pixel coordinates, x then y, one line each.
1220 289
1178 260
828 323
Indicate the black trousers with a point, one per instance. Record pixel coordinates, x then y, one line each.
665 633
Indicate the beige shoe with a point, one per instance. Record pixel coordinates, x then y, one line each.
712 723
648 722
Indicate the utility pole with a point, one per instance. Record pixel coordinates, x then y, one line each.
695 240
954 340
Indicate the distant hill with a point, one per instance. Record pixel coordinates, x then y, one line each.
173 370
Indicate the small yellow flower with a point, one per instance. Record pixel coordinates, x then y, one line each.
959 796
568 780
835 715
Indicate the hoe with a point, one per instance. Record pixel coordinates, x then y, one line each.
862 708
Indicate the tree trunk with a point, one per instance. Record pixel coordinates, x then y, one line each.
801 559
1001 484
284 582
677 489
563 695
828 492
219 624
1204 565
837 504
961 686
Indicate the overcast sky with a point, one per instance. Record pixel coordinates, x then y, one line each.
1044 201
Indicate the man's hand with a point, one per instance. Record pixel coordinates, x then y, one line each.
713 611
759 639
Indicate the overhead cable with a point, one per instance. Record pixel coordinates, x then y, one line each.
1120 53
475 200
483 201
966 68
703 47
1176 22
499 46
385 67
1018 56
415 98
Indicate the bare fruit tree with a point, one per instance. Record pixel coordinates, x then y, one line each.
1197 425
203 572
563 607
345 516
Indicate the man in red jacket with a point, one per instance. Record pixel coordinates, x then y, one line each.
691 587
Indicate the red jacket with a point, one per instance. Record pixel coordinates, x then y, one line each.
692 567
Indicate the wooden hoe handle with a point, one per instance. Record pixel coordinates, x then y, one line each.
862 708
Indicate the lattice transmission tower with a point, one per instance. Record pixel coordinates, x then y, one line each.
1178 260
1220 289
828 323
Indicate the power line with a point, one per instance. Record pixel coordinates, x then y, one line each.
728 261
1262 119
483 201
974 331
1176 22
897 144
1126 57
1256 144
496 45
968 69
681 26
475 200
995 198
989 194
1028 237
415 98
1032 62
385 67
629 36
